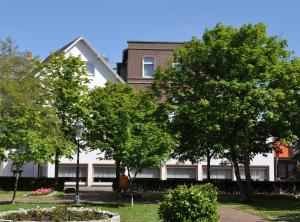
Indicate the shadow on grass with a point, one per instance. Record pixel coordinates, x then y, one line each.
264 202
289 218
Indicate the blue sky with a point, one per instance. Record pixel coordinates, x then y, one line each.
42 26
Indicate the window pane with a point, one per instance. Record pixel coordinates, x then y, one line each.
259 174
149 173
181 172
90 69
70 171
222 173
148 60
148 66
105 172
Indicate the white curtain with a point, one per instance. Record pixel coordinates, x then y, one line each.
259 174
149 173
148 63
181 172
104 172
218 173
70 171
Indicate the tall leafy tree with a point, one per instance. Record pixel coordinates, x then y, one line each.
66 90
124 126
223 80
28 130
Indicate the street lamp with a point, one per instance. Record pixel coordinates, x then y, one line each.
79 130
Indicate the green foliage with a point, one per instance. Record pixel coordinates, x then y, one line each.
124 126
190 204
223 92
25 134
8 47
65 89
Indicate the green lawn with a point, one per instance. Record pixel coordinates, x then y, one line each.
274 208
138 213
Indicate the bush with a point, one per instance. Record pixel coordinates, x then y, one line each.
30 183
197 203
61 213
224 186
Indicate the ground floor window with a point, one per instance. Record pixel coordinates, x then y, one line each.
69 172
104 173
257 173
148 173
181 172
218 173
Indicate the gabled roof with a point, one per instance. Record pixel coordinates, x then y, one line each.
100 57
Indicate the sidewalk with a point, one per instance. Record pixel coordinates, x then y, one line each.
232 215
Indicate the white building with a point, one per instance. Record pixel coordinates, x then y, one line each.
94 172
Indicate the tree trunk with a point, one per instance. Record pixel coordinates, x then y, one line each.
239 179
13 201
208 157
56 169
249 189
118 174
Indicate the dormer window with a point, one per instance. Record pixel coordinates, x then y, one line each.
148 66
90 69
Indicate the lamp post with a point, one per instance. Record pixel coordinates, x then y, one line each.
79 130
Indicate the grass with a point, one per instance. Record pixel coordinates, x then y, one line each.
138 213
274 208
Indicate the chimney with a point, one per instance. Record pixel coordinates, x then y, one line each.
29 55
105 58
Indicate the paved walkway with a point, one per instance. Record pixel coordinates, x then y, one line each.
232 215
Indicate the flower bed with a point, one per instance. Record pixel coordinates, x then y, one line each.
41 192
62 213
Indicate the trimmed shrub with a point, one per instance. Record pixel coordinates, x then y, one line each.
197 203
30 183
224 186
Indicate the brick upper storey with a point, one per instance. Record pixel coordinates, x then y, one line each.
132 67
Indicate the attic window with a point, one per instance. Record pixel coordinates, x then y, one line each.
90 69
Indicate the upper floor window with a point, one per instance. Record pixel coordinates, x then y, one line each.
176 65
90 69
148 67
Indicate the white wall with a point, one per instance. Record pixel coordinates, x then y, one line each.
28 170
102 73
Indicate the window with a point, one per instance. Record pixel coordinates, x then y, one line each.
181 172
257 173
148 67
218 173
69 172
90 69
176 65
149 173
104 172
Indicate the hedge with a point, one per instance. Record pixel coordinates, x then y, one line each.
30 183
224 186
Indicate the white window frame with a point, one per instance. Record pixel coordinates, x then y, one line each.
89 74
148 77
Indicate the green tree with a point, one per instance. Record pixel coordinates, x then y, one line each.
65 83
28 130
8 47
124 126
224 78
